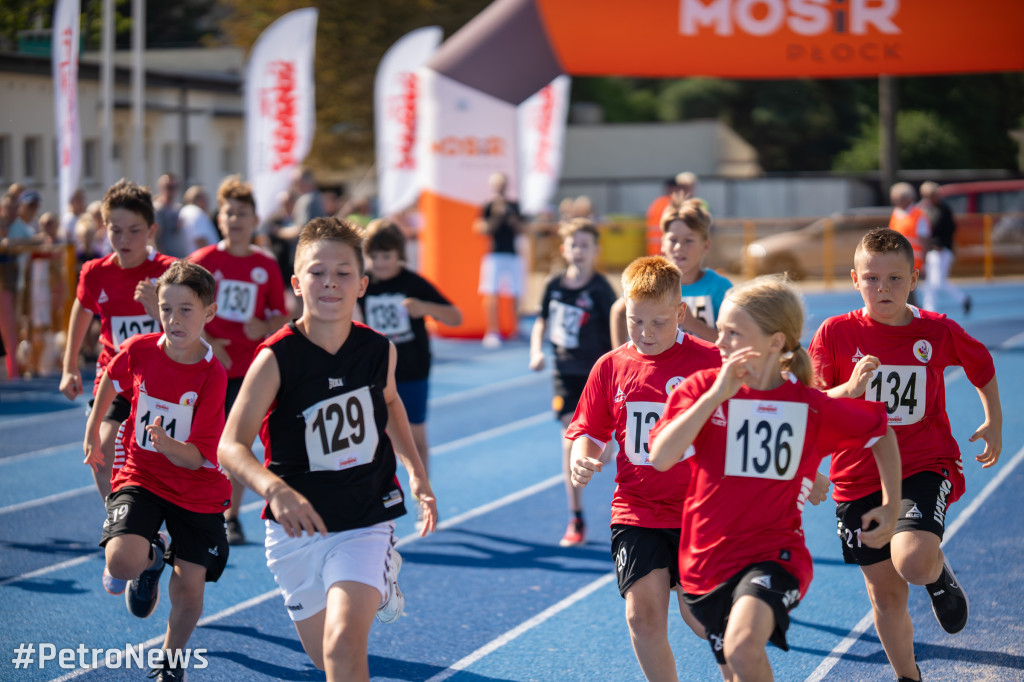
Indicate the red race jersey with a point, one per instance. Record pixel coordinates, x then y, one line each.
909 383
190 398
247 287
108 290
753 464
623 398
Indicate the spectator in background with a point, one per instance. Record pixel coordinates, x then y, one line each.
309 203
653 219
100 245
910 220
8 285
76 207
501 271
359 212
48 292
938 261
170 237
196 226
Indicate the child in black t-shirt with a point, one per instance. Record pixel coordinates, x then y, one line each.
574 314
395 304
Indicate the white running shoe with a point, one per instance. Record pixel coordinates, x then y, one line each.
392 608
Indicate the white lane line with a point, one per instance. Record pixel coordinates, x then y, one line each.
525 626
492 433
159 639
836 654
38 502
51 568
489 389
45 452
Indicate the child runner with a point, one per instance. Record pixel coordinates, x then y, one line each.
321 393
686 240
170 472
753 434
574 309
896 354
250 303
396 302
624 396
120 289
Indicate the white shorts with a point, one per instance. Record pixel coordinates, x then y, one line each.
305 567
501 273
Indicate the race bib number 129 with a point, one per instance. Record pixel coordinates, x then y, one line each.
765 438
341 432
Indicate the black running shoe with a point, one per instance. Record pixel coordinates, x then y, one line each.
949 601
143 593
167 673
234 530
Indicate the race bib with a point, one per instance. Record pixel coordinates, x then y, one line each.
236 300
701 308
386 314
341 432
177 419
765 438
564 322
903 390
640 417
125 327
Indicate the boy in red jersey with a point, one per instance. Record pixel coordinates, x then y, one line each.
170 472
624 396
250 303
895 354
753 434
321 395
120 289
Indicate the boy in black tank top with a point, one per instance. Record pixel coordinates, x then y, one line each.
320 393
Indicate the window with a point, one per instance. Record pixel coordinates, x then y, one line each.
90 160
5 160
167 158
33 159
191 164
227 160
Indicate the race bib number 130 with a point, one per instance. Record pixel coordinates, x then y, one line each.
341 432
765 438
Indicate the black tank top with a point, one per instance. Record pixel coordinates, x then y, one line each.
324 434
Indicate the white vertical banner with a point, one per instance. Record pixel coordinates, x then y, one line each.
397 101
65 97
279 104
466 135
541 120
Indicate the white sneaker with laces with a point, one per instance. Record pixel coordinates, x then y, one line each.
394 605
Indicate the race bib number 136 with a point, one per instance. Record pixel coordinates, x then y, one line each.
765 438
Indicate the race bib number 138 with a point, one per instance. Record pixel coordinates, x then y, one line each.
765 438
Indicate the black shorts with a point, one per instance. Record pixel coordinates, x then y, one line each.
120 409
568 390
234 385
195 537
638 551
767 581
923 507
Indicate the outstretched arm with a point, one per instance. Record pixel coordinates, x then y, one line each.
992 430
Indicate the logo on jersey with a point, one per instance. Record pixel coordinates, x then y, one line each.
334 383
218 275
258 275
213 551
914 513
620 396
142 387
857 356
189 399
791 598
940 503
764 581
672 383
923 350
103 296
718 418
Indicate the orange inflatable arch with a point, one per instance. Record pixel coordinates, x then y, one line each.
515 47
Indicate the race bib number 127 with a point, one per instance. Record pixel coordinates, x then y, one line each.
765 438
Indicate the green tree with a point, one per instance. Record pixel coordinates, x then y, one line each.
923 140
